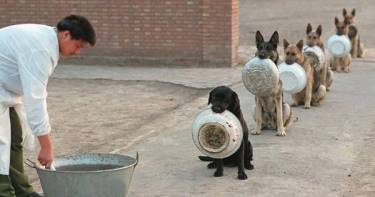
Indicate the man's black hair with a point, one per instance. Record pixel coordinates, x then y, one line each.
79 28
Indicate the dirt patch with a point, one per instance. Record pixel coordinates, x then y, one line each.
89 113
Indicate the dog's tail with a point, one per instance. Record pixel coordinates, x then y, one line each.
205 158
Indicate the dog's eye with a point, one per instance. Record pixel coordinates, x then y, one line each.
293 54
287 53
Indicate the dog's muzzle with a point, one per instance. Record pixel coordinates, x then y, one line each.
217 109
262 55
289 62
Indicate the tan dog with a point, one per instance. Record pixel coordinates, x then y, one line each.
353 34
313 38
315 91
341 63
271 112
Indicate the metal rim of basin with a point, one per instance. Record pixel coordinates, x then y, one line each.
41 168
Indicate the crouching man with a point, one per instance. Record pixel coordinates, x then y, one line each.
29 54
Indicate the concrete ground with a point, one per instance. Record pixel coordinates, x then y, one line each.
290 18
328 151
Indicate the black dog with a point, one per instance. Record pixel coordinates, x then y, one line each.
223 98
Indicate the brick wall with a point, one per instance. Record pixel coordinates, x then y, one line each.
178 32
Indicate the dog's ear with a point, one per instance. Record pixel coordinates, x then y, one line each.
300 45
258 38
344 12
319 30
275 38
353 12
308 28
209 98
336 21
286 43
236 104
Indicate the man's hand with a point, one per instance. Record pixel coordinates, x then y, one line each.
45 156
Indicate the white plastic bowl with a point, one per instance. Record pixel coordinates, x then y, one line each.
319 53
260 76
217 135
339 46
293 77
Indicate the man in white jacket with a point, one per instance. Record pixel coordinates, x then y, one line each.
29 54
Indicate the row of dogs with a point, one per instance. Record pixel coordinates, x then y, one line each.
271 112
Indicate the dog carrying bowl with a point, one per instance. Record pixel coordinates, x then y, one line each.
87 174
260 76
317 53
217 135
339 46
293 77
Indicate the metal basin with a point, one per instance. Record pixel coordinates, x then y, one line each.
87 174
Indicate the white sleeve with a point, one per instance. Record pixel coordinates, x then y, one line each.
34 69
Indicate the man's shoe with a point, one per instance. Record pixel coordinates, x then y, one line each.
34 194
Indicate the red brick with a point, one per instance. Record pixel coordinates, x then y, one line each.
177 31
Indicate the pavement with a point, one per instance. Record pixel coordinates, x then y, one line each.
328 151
191 77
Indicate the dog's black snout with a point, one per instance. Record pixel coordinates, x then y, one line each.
262 55
217 109
288 61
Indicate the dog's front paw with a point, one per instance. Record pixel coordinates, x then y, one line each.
281 132
249 166
256 131
294 104
242 176
218 173
211 165
307 106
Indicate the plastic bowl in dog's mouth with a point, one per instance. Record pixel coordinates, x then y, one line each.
293 77
213 137
217 135
317 53
260 76
339 46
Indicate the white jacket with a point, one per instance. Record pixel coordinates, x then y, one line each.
28 55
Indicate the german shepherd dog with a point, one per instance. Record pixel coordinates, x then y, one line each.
313 38
223 98
353 34
270 111
341 63
314 91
